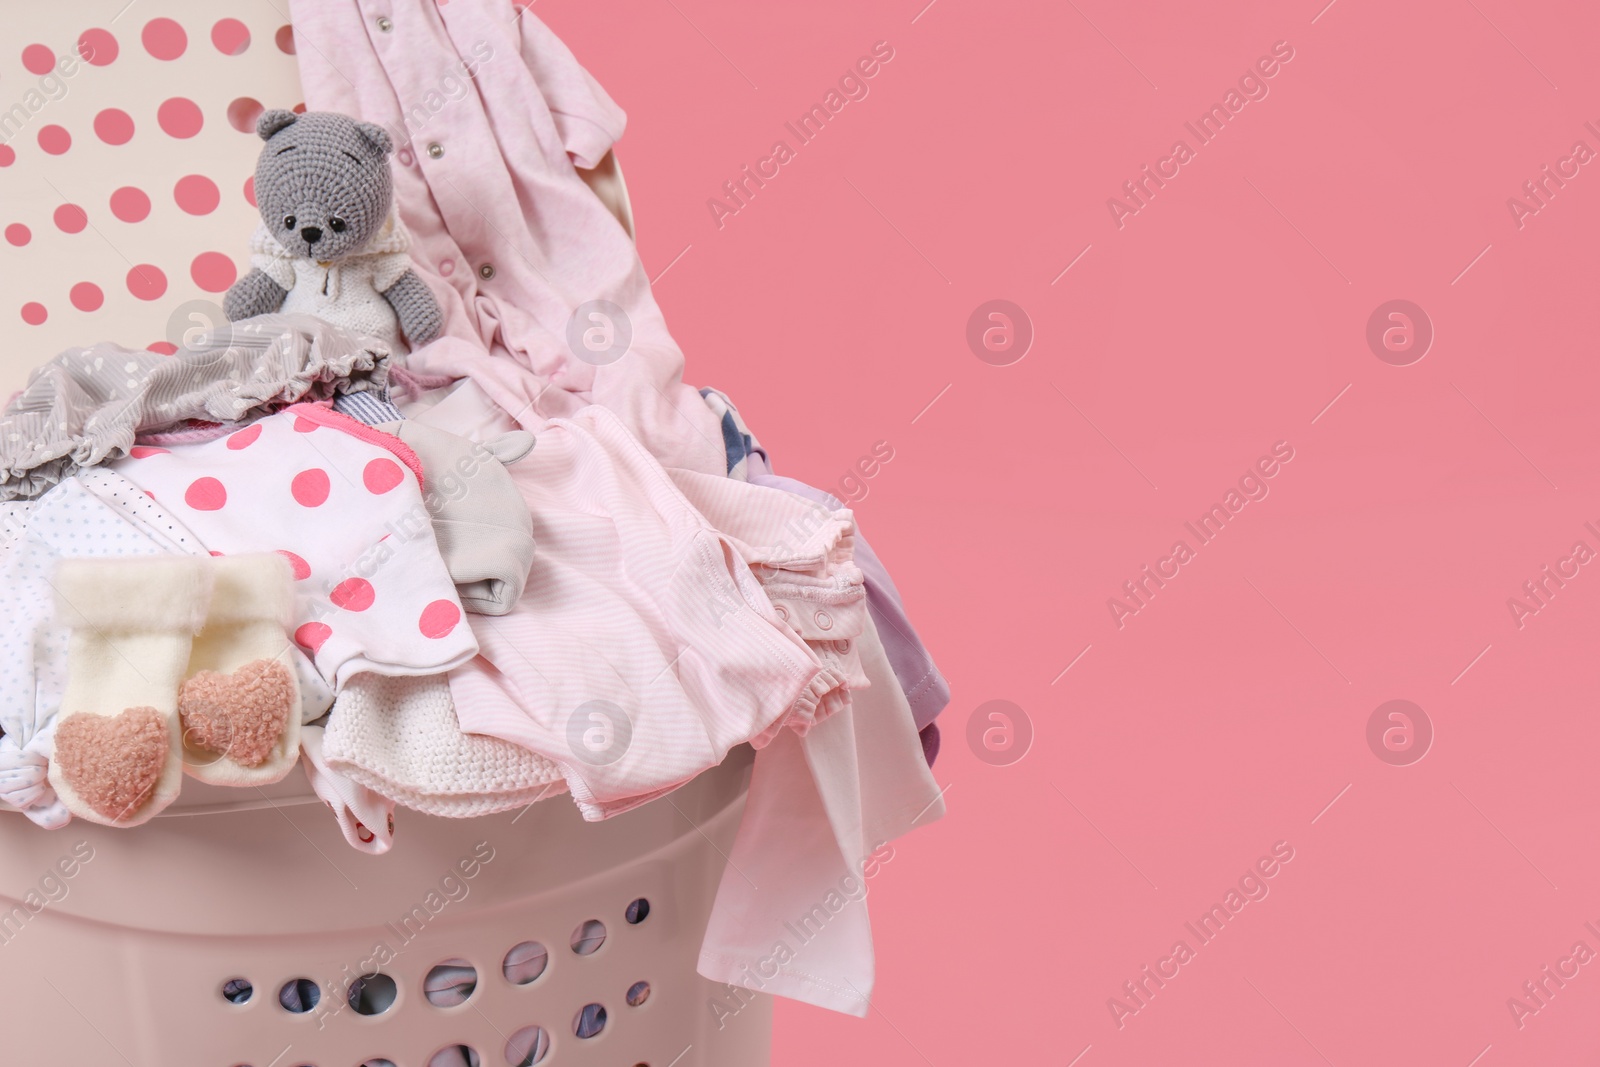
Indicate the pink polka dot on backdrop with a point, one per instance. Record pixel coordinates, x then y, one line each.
164 348
55 139
8 155
33 313
230 37
196 194
18 234
205 494
250 190
114 126
382 475
313 635
213 271
310 487
97 47
38 59
353 594
146 451
70 218
244 438
180 117
147 282
303 424
130 204
301 569
87 296
284 39
164 39
243 112
299 109
438 619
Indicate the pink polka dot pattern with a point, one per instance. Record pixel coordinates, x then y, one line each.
303 424
38 59
213 272
146 451
180 117
243 112
301 569
250 190
230 37
70 218
196 194
33 313
284 39
55 139
310 488
8 155
244 438
18 234
163 348
114 126
438 619
147 282
130 204
97 47
313 635
382 475
353 594
205 494
86 296
164 39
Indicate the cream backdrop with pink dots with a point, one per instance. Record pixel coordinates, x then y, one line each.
126 149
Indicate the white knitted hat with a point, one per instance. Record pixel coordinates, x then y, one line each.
400 737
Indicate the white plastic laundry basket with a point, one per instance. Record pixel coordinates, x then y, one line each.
123 946
178 944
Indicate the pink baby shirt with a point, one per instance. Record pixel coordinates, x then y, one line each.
343 502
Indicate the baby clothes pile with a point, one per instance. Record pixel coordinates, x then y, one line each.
470 578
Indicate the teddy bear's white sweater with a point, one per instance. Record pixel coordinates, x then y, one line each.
347 292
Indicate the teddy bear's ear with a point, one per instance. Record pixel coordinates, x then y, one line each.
272 121
376 136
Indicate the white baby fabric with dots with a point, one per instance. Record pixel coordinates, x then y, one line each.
344 503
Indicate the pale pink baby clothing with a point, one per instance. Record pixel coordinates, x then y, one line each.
344 503
504 231
801 553
790 916
643 649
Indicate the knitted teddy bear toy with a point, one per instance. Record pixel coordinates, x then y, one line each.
331 243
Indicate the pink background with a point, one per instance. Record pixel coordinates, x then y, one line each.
1222 318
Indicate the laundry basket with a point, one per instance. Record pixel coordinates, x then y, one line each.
576 940
238 928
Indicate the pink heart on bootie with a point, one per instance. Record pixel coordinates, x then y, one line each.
113 762
240 715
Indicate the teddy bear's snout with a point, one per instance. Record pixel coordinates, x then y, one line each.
311 234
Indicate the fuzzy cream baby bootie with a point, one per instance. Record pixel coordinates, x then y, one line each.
117 757
240 703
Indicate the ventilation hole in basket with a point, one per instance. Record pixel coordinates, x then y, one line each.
590 1020
373 994
525 962
238 990
638 993
638 911
450 983
299 995
455 1056
587 939
528 1046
